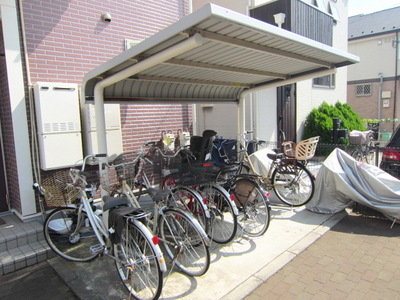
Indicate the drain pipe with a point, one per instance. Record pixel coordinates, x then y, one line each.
178 49
380 96
395 80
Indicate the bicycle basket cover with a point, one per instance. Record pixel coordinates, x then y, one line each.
61 226
244 192
116 220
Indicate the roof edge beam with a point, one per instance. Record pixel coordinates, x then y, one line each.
241 43
193 81
294 79
151 100
173 51
182 62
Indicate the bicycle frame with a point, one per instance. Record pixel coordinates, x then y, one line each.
100 225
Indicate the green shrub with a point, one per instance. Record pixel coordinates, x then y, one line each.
319 121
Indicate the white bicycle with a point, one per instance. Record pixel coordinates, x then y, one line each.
79 232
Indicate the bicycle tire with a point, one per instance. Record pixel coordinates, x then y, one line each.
358 155
294 184
70 235
391 219
254 208
184 241
138 267
189 200
223 214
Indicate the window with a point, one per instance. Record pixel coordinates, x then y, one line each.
325 81
363 89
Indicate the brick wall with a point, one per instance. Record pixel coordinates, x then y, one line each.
66 39
367 106
143 123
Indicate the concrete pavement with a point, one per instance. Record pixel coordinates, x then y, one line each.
236 270
357 259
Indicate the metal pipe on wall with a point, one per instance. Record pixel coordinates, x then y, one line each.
396 66
380 95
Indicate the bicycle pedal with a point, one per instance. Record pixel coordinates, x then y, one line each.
96 248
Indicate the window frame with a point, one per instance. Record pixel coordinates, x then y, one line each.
363 90
332 82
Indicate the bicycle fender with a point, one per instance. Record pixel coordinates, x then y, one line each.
156 248
226 194
197 194
196 223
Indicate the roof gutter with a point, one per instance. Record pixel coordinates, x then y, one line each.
171 52
243 94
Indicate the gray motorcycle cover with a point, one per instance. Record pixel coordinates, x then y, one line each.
342 180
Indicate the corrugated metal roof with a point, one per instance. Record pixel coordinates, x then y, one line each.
236 53
376 23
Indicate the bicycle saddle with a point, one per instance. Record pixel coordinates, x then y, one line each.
275 156
157 194
111 202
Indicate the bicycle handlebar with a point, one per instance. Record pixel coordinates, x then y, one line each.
90 156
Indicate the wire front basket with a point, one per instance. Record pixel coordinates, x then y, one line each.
127 167
58 189
189 172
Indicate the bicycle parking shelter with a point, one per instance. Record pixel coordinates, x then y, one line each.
213 55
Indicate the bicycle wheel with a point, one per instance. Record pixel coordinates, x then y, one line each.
191 201
254 208
70 234
223 214
138 266
185 241
369 156
293 184
359 155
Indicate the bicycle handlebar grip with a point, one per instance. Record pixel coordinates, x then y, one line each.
37 188
86 174
101 155
149 143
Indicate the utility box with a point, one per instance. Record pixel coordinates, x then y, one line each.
337 133
58 124
113 130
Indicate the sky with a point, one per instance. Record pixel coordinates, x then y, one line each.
369 6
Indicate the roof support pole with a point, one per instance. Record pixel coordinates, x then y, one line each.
242 113
160 57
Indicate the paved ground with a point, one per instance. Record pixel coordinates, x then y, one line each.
36 282
359 258
356 259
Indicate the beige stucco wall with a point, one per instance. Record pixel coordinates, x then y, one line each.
377 55
374 53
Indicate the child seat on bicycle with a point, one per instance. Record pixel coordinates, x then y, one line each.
302 150
201 146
